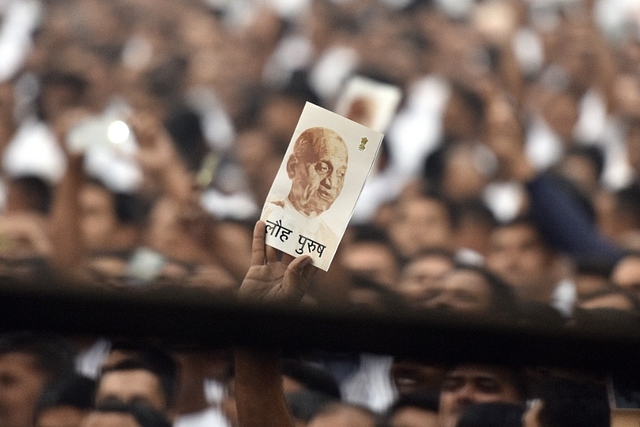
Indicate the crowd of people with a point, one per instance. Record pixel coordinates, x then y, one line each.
48 380
139 140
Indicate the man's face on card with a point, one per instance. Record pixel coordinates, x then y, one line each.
318 180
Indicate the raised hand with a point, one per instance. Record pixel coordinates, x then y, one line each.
156 153
271 279
159 159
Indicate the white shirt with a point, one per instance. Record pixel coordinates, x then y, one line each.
210 417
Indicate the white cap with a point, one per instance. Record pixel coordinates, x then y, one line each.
34 150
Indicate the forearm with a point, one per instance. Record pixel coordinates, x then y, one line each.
177 183
259 394
66 235
510 72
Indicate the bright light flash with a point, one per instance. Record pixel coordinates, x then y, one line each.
118 132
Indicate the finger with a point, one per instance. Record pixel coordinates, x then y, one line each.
257 245
298 264
272 254
308 272
294 282
286 259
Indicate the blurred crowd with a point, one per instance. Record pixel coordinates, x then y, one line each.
46 383
139 140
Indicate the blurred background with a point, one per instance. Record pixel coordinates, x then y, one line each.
139 140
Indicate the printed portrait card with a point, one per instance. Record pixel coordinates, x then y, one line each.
369 102
318 184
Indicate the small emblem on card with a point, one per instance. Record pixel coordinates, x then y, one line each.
363 143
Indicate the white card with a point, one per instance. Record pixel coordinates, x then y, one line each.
369 102
318 184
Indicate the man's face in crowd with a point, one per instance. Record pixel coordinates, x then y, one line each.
409 376
20 386
469 384
462 291
418 224
421 275
317 183
373 260
518 256
132 386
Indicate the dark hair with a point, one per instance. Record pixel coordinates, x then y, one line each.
471 99
36 191
74 390
305 404
572 403
434 252
257 98
74 82
592 153
593 266
145 351
166 79
503 299
522 221
128 208
150 358
390 300
368 233
144 415
298 88
493 414
475 209
132 208
54 356
628 200
311 377
429 253
185 128
374 235
516 375
434 166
